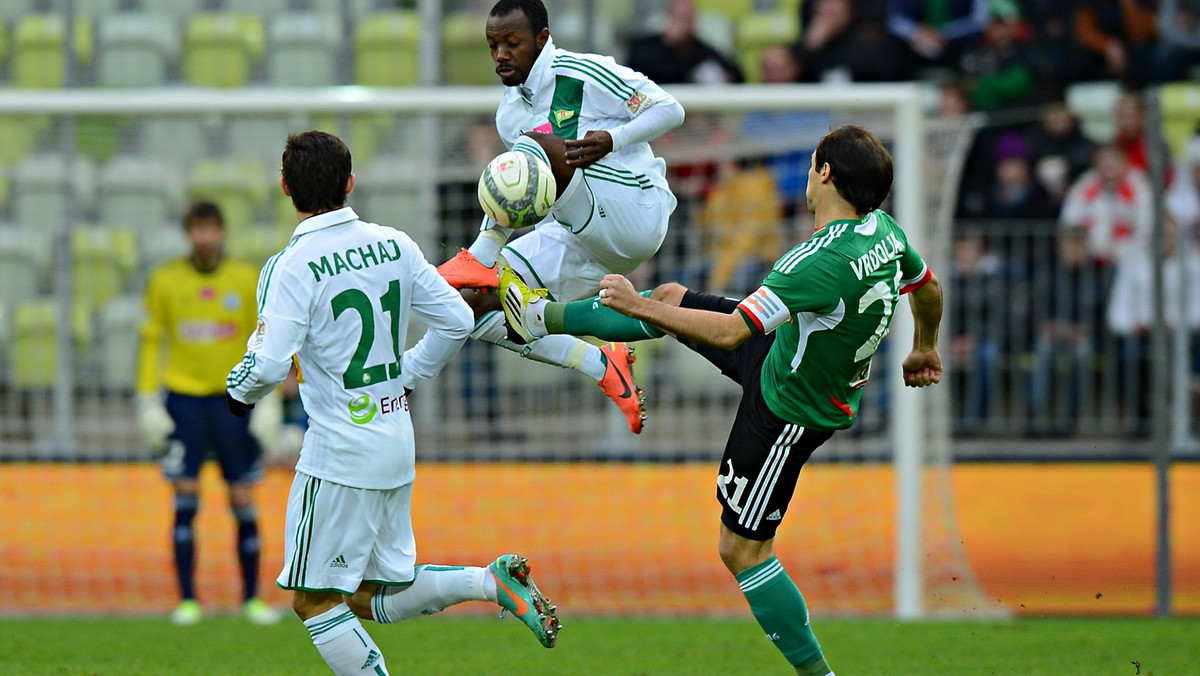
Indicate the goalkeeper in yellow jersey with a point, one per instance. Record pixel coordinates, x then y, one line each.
199 311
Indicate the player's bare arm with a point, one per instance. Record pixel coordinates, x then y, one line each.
724 331
586 151
923 366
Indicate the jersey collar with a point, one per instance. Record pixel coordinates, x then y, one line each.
325 220
538 74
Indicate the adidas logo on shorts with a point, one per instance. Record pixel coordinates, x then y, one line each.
774 516
339 562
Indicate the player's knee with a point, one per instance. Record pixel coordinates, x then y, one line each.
360 605
739 553
670 293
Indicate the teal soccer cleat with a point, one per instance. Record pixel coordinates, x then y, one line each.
517 594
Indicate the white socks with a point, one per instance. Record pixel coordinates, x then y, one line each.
560 350
434 588
487 245
346 647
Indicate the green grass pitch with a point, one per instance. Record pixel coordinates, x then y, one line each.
470 646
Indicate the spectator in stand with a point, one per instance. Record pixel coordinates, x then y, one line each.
1071 291
1052 25
1114 39
795 130
838 44
999 70
1015 194
975 328
741 223
1130 135
1183 195
678 55
1112 202
937 31
1178 48
1061 153
1131 315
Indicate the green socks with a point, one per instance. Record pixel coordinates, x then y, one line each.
589 317
779 607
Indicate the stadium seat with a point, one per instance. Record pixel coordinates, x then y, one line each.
572 31
21 274
15 9
385 49
160 243
266 8
465 50
238 185
756 32
351 10
139 192
100 137
97 8
257 243
118 324
181 140
304 50
39 51
718 30
103 261
387 192
35 341
1180 113
262 137
730 9
44 184
176 9
1093 103
136 50
222 49
20 134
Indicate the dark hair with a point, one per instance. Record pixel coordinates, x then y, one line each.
533 10
203 210
861 166
316 167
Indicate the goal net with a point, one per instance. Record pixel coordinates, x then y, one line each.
514 455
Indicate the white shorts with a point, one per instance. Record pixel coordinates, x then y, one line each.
338 537
596 227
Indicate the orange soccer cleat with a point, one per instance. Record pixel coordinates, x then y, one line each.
464 271
618 384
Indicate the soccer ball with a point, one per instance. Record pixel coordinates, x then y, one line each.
516 189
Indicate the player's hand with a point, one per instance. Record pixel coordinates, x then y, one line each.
586 151
618 293
154 421
922 367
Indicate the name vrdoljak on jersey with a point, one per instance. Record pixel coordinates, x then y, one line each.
879 254
358 258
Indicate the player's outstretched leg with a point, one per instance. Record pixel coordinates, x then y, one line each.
619 385
465 271
515 297
517 594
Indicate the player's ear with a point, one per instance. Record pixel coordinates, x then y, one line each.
826 172
283 185
542 37
350 184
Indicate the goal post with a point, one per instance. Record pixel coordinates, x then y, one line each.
914 435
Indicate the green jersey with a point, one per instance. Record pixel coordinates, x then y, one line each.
830 301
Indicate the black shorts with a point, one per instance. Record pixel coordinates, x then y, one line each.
764 453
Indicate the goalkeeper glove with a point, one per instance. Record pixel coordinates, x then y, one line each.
155 423
237 408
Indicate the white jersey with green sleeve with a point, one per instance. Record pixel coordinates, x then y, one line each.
338 299
830 301
569 94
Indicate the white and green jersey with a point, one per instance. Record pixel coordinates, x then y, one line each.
831 301
569 94
338 299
